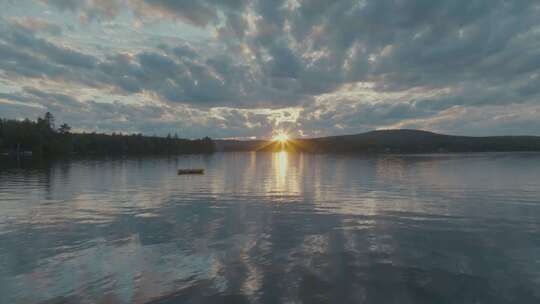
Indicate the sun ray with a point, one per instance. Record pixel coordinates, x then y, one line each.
281 141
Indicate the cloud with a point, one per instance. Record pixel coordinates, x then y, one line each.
198 13
174 74
124 116
276 55
37 25
24 48
89 10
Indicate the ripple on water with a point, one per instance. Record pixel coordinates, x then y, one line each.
267 228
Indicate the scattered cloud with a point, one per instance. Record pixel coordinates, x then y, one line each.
231 68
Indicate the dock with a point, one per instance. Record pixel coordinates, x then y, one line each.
190 171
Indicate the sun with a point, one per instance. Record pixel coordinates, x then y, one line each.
281 137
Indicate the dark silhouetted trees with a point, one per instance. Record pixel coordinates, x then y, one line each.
390 141
64 129
42 138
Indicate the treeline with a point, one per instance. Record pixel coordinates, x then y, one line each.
417 141
41 137
391 141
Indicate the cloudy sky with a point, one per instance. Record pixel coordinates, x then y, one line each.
241 68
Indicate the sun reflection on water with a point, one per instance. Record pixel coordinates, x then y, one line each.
281 163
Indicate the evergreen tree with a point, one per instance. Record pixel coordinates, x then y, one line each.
65 129
41 138
49 120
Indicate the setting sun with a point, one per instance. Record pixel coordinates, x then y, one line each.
281 137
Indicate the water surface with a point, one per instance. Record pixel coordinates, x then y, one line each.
272 228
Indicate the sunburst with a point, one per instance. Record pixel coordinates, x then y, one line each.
281 137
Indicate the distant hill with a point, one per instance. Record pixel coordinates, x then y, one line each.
394 141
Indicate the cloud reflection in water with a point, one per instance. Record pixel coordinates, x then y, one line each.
272 227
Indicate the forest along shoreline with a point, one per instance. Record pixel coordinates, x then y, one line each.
42 138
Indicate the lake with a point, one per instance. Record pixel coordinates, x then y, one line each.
272 228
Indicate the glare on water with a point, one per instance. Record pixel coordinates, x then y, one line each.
280 165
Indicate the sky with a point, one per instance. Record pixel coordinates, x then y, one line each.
248 69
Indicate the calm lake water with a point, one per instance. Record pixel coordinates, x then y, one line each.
272 228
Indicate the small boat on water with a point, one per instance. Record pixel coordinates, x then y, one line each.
190 171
